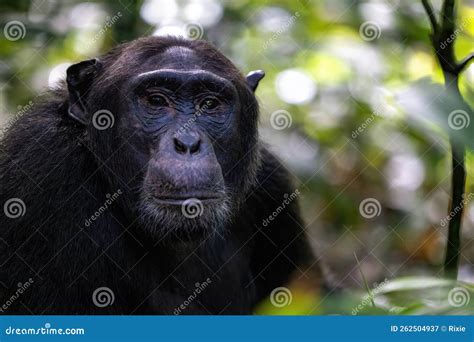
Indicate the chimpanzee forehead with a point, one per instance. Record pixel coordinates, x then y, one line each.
177 65
175 79
179 58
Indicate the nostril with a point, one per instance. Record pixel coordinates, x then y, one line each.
179 146
195 147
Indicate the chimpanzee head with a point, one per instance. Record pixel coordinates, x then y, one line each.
173 124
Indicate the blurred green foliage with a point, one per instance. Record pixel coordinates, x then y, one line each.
366 116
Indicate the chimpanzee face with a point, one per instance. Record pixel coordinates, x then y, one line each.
189 120
186 115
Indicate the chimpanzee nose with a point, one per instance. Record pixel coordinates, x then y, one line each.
187 143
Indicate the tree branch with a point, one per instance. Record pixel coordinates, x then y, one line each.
429 10
448 20
443 44
464 63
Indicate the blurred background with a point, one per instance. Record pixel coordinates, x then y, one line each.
352 103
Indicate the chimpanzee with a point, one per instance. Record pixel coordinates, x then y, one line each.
140 186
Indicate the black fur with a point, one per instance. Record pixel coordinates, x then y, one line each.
64 171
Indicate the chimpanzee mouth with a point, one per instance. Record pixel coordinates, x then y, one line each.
182 199
191 215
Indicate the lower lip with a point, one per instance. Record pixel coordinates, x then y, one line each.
181 201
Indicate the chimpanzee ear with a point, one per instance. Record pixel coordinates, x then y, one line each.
254 77
79 79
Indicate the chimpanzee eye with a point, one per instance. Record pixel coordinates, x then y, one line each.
156 100
209 103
